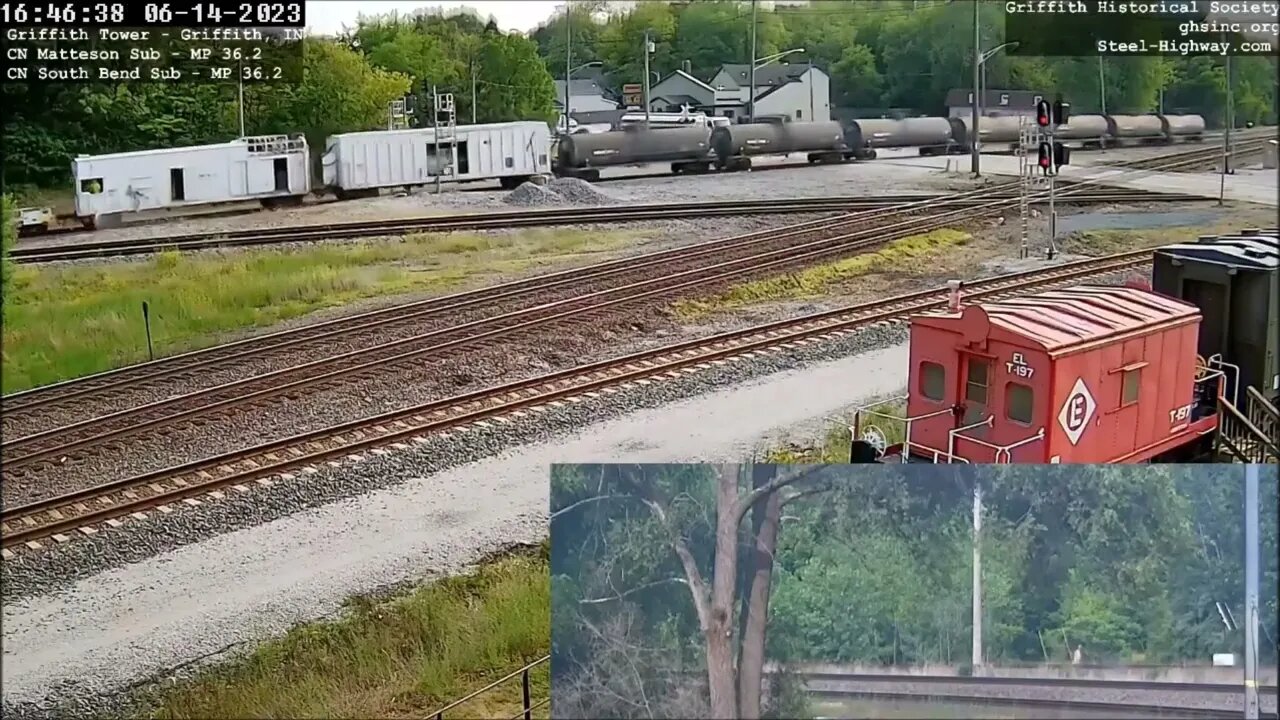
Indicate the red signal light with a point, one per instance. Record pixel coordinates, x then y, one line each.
1043 118
1046 155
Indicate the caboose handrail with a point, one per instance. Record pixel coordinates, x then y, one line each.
1233 379
1005 451
952 434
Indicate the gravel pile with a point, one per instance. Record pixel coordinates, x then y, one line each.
578 191
531 195
560 191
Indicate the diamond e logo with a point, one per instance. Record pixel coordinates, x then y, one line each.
1077 410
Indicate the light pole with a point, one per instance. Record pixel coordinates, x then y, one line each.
568 80
759 63
1102 86
976 143
648 50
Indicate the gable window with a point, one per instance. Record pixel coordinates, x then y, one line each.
799 114
933 381
1131 382
1018 400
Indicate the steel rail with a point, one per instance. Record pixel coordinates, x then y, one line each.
39 448
184 363
58 393
1160 711
196 358
59 442
40 395
100 435
1080 682
207 477
487 221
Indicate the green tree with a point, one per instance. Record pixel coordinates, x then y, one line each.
8 236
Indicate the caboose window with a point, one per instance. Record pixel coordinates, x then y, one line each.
1132 381
933 381
1017 403
975 389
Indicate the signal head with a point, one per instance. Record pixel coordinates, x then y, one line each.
1043 118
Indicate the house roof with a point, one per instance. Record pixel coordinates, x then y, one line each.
774 74
1062 320
580 86
685 75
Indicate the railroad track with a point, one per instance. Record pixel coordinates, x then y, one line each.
1198 159
1121 709
85 511
1015 681
769 253
504 220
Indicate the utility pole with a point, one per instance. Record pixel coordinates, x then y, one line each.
240 72
977 575
1251 591
751 87
974 144
568 58
646 78
1102 86
811 110
1231 120
473 91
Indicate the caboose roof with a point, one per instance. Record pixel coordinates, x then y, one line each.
1060 321
1251 252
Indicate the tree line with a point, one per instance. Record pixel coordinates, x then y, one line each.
673 584
880 54
883 54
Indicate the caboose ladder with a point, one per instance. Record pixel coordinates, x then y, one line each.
1247 434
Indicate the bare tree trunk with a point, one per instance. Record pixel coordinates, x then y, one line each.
760 476
719 625
751 668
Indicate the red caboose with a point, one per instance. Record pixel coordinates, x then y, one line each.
1092 374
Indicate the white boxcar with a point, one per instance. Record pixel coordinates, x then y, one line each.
249 168
361 163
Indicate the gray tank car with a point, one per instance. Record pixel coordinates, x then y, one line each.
688 149
933 135
1184 128
735 145
1136 129
1090 131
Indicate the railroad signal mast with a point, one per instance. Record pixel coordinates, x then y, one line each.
1051 155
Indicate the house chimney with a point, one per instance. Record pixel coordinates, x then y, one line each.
688 67
953 299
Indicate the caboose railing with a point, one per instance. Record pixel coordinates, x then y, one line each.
1248 435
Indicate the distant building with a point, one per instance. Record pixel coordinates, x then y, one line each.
995 103
585 95
801 93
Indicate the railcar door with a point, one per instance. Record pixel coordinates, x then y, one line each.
975 397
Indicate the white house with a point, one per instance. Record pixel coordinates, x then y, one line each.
585 95
802 93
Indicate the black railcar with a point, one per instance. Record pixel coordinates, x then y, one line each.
1235 281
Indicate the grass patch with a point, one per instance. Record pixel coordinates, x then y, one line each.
398 658
816 281
69 321
831 445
